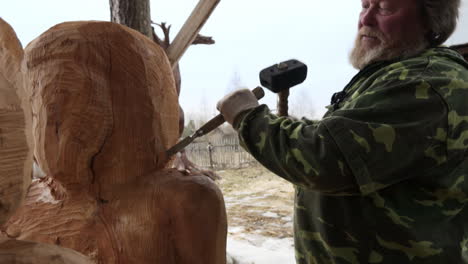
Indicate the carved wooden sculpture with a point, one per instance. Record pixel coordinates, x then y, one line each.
27 252
104 111
15 155
16 158
188 35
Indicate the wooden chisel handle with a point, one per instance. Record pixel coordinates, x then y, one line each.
219 119
207 127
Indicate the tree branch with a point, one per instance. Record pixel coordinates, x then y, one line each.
200 39
165 42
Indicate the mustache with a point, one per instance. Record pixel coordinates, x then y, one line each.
367 31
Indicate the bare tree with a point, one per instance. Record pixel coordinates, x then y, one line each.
136 14
133 14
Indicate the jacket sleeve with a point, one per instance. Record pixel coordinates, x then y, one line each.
394 130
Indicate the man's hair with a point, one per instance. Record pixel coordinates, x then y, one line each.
441 18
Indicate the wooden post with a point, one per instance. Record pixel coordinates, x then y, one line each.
210 152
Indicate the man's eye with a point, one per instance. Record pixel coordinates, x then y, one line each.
385 11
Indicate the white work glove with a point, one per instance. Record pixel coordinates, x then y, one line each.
235 103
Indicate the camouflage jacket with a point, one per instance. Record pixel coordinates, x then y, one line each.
382 177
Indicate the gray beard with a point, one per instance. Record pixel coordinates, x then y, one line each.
360 58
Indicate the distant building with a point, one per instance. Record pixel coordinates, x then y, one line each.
222 133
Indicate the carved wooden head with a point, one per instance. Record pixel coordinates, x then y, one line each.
104 102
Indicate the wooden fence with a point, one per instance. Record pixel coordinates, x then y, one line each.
219 153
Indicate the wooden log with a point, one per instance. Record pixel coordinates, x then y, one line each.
16 157
105 110
15 154
26 252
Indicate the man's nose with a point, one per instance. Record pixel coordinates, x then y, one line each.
368 17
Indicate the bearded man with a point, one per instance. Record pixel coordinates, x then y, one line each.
382 178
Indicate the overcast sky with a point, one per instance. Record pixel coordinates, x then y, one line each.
250 35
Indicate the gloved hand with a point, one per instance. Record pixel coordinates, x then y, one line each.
235 103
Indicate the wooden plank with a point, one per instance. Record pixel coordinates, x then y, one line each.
190 29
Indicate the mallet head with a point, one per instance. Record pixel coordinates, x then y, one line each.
284 75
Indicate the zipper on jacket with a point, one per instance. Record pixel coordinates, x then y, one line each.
339 97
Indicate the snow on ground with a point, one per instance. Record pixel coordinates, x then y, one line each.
260 222
260 250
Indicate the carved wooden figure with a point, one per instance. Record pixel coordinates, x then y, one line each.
15 154
16 158
105 109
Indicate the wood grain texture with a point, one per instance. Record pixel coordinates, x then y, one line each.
16 157
166 217
104 103
104 111
26 252
15 154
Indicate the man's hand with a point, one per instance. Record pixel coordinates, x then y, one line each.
235 103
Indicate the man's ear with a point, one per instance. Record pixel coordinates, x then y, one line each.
432 38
